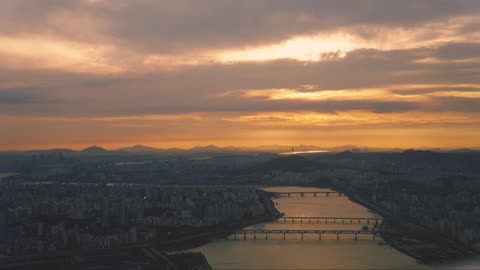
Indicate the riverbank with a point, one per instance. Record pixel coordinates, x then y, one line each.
421 243
169 250
189 261
118 258
174 252
201 236
204 235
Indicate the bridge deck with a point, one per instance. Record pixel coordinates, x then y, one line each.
339 218
303 193
307 192
307 232
256 233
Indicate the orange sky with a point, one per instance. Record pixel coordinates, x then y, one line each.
181 74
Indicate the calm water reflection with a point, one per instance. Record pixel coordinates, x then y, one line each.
310 253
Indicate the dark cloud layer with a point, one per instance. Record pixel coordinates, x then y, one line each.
169 26
20 96
204 88
459 51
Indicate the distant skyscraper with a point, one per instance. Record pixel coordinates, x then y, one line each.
123 212
105 212
3 223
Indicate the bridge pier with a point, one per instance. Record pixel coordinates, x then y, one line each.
301 194
319 236
355 236
254 235
328 194
266 236
338 236
314 194
283 236
244 236
302 235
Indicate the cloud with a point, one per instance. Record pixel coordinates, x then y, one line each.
106 37
459 51
171 26
432 89
111 65
366 79
44 53
459 104
19 96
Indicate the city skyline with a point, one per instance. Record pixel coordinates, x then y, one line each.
385 74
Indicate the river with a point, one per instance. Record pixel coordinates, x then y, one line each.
311 253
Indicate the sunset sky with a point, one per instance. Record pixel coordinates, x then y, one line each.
75 73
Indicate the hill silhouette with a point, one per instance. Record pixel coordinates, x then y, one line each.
94 150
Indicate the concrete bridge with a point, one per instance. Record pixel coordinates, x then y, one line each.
343 220
301 233
303 194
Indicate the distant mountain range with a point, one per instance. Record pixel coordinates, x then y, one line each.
212 149
231 149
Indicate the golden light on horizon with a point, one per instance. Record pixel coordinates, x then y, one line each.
355 118
418 93
162 73
253 129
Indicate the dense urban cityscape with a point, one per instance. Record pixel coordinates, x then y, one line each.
48 217
47 207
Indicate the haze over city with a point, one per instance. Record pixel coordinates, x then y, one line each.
233 73
230 134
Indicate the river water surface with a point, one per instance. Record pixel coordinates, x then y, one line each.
311 253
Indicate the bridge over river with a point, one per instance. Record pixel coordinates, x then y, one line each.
343 220
301 233
312 219
305 193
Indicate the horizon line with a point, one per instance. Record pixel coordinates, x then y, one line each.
247 147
